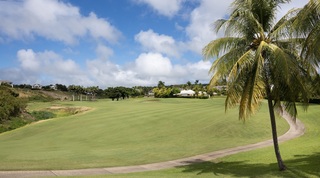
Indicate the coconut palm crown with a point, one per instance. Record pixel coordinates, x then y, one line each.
260 59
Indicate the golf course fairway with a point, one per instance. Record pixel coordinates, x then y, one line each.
130 132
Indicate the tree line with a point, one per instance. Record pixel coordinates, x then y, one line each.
81 93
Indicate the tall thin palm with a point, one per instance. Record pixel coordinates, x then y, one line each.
261 59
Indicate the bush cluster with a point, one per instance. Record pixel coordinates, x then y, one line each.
10 104
42 115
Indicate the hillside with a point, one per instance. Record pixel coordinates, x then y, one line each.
42 95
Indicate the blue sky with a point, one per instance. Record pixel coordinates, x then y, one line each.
108 42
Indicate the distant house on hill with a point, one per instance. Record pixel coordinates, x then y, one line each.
53 87
6 82
36 87
150 93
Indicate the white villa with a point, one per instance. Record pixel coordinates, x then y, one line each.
187 93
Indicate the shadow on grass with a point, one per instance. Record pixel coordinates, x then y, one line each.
301 166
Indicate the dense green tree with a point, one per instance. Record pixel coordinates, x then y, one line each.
124 92
161 84
189 84
10 104
261 59
175 91
24 86
61 87
112 93
162 92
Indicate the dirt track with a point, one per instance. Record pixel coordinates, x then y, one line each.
296 129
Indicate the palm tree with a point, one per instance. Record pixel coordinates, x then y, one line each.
261 59
307 24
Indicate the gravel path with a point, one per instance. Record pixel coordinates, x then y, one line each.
296 130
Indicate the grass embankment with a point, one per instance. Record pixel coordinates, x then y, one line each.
130 132
301 156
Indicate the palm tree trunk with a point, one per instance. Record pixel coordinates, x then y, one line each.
281 165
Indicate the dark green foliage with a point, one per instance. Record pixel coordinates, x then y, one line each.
118 92
42 115
162 92
61 87
23 86
203 97
10 104
12 124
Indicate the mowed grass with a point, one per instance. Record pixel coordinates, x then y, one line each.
130 132
301 156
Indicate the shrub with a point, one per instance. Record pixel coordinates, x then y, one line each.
10 104
42 115
12 124
203 97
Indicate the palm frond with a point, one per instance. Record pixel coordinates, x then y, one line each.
221 46
283 28
311 49
221 67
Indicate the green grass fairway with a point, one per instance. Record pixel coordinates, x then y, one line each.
130 132
301 156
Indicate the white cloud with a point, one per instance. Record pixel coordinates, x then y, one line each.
153 67
153 64
53 20
103 52
28 60
47 61
200 28
167 8
155 42
146 70
47 66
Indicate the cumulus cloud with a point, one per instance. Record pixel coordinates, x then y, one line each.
45 61
167 8
153 64
202 18
53 20
47 66
155 42
155 67
146 70
103 52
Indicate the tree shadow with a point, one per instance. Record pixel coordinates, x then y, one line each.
301 166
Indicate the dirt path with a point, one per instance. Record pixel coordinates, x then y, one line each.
296 130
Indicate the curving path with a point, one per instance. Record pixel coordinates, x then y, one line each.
296 130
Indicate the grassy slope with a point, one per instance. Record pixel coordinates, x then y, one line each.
301 155
129 132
